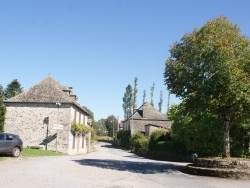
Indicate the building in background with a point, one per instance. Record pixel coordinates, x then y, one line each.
145 119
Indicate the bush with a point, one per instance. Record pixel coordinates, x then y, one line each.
138 141
155 137
124 138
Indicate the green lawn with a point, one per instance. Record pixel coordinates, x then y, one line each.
28 152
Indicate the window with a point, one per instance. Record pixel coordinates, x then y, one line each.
9 137
1 137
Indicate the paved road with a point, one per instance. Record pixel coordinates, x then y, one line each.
106 167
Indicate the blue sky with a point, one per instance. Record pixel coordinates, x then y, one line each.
98 47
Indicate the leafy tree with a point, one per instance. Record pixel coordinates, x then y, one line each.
13 89
201 133
111 124
210 69
135 90
152 94
2 109
128 102
161 101
102 131
144 96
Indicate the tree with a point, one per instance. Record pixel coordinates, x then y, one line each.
111 124
186 128
2 109
13 89
161 101
144 96
128 102
152 94
102 131
135 90
210 69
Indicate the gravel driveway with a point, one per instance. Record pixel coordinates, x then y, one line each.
105 167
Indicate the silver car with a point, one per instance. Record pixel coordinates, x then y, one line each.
10 143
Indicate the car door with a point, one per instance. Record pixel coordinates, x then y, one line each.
9 143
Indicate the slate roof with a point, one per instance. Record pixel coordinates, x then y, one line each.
147 111
47 91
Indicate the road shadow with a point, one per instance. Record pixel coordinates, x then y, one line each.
108 145
131 166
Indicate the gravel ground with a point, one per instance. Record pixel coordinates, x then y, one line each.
105 167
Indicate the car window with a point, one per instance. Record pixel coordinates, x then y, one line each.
1 137
9 137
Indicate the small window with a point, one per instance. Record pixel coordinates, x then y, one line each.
1 137
9 137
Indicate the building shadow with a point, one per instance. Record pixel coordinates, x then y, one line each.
131 166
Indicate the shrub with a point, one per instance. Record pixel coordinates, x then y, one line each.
155 137
124 138
138 141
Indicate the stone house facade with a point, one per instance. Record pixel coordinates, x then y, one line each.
146 119
42 116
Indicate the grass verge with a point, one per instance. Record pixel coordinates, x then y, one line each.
29 152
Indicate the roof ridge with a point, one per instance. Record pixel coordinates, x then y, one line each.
47 90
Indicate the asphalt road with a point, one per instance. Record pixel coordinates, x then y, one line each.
105 167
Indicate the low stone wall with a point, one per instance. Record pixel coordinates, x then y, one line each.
225 168
232 163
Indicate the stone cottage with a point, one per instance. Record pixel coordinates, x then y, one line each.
146 119
42 116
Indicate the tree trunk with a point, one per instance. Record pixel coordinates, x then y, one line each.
226 139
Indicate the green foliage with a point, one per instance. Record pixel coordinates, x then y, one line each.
155 137
124 138
77 128
101 128
93 135
2 110
28 152
152 94
135 91
201 133
161 101
240 138
210 69
111 124
138 141
12 89
144 96
163 147
128 102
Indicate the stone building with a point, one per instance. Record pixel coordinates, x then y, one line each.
42 116
146 119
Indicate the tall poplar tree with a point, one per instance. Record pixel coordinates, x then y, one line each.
144 96
161 101
152 94
127 102
135 90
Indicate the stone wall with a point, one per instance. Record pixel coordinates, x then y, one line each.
139 125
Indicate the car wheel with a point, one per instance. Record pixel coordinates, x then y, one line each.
15 152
